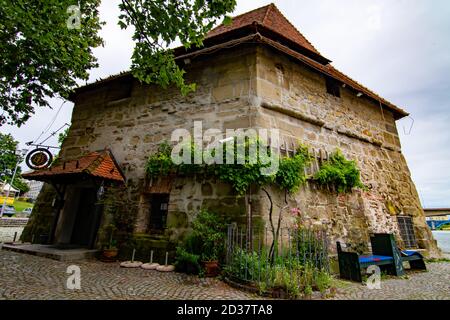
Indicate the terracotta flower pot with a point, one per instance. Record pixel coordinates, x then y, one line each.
211 268
110 253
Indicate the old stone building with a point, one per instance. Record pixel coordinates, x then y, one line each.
258 72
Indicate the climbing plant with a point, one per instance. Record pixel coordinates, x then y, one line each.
243 173
339 173
160 163
291 174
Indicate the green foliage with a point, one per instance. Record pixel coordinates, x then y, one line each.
188 255
8 156
8 160
20 184
62 136
210 229
160 163
323 281
205 243
339 173
244 173
41 57
291 174
187 262
285 272
160 23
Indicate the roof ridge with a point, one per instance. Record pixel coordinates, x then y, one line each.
245 13
269 7
293 26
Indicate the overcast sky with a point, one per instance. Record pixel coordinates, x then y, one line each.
398 48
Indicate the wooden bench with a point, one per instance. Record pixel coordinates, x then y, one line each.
385 254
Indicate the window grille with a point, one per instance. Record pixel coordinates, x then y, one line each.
407 231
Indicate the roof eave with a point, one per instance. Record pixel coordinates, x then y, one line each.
181 52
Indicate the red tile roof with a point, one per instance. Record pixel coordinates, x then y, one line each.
97 164
269 17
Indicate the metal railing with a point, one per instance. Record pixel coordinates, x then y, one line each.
297 258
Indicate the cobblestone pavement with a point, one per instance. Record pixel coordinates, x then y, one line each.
25 276
431 285
29 277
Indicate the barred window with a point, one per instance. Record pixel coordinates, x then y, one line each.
407 231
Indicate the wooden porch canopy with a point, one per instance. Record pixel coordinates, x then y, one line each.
159 185
100 164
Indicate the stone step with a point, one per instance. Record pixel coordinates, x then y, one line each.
51 252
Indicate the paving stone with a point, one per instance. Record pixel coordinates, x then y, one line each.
25 276
431 285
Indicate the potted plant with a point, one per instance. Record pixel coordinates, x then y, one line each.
210 229
110 251
211 267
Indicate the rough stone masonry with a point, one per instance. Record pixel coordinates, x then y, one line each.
251 85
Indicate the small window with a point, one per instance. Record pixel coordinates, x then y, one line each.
119 90
406 227
333 87
159 205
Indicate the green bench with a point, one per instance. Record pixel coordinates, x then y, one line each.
385 254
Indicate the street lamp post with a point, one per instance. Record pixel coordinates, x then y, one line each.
23 152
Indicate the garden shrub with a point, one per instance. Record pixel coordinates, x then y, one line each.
287 273
205 243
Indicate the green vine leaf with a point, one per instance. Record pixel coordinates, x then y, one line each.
339 173
290 175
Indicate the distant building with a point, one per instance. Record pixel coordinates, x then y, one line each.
35 188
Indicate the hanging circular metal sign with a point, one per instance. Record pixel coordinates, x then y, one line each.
38 159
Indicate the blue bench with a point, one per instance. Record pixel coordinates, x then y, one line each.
385 254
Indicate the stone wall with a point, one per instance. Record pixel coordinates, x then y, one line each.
41 219
133 127
293 98
252 86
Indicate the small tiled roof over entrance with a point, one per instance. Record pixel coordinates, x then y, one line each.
96 164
